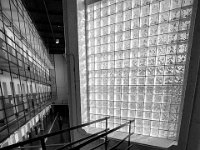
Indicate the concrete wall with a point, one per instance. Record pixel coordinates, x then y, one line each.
61 79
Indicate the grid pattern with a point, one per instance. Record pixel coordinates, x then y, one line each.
25 85
136 56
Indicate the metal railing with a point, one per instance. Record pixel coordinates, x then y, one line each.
75 145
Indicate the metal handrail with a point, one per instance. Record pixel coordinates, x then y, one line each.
97 137
41 138
83 139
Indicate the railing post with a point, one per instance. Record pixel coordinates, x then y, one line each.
129 132
43 144
106 144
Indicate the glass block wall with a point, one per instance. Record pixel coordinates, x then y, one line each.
134 61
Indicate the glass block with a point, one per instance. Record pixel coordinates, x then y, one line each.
164 17
134 53
181 59
117 104
152 51
156 107
154 19
97 13
170 59
155 124
148 98
111 9
104 12
126 54
143 42
146 123
173 117
133 81
147 115
150 71
182 48
140 98
97 5
142 62
136 3
154 8
172 126
184 25
127 44
119 7
145 11
183 36
158 80
179 79
111 29
136 13
124 113
153 41
174 108
164 5
163 28
154 132
139 106
142 71
168 79
117 112
175 14
146 131
145 2
110 95
119 27
176 4
127 15
119 17
172 38
127 4
143 52
153 30
179 69
165 107
162 39
127 25
171 49
163 134
125 105
139 114
169 70
150 80
147 106
144 21
110 2
186 12
132 105
149 89
125 72
151 61
141 81
138 130
135 23
111 111
187 2
144 32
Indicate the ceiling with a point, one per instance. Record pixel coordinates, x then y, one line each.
50 27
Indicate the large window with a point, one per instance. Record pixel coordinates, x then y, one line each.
134 62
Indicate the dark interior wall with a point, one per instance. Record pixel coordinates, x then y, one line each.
194 133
